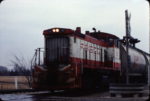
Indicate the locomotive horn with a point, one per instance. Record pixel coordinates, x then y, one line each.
94 30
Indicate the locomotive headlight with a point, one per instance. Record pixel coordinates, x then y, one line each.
57 30
54 30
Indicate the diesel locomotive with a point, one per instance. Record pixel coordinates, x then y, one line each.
91 60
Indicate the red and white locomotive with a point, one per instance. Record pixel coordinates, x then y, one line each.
90 60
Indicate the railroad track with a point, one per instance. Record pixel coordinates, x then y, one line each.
61 96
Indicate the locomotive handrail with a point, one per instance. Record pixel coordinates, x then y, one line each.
36 60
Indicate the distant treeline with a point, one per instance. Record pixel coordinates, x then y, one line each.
14 72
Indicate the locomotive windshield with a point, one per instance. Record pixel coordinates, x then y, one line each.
57 50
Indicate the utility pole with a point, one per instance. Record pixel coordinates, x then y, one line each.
149 46
149 52
149 24
128 30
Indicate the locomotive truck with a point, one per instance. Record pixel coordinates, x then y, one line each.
75 60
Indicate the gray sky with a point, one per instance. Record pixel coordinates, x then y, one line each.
23 21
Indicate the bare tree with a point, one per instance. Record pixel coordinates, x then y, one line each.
22 68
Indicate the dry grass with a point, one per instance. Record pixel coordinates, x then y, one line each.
8 82
12 78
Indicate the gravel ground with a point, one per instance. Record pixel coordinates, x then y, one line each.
102 96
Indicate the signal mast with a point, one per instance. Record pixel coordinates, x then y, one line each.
129 41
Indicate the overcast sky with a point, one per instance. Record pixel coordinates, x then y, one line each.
23 21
